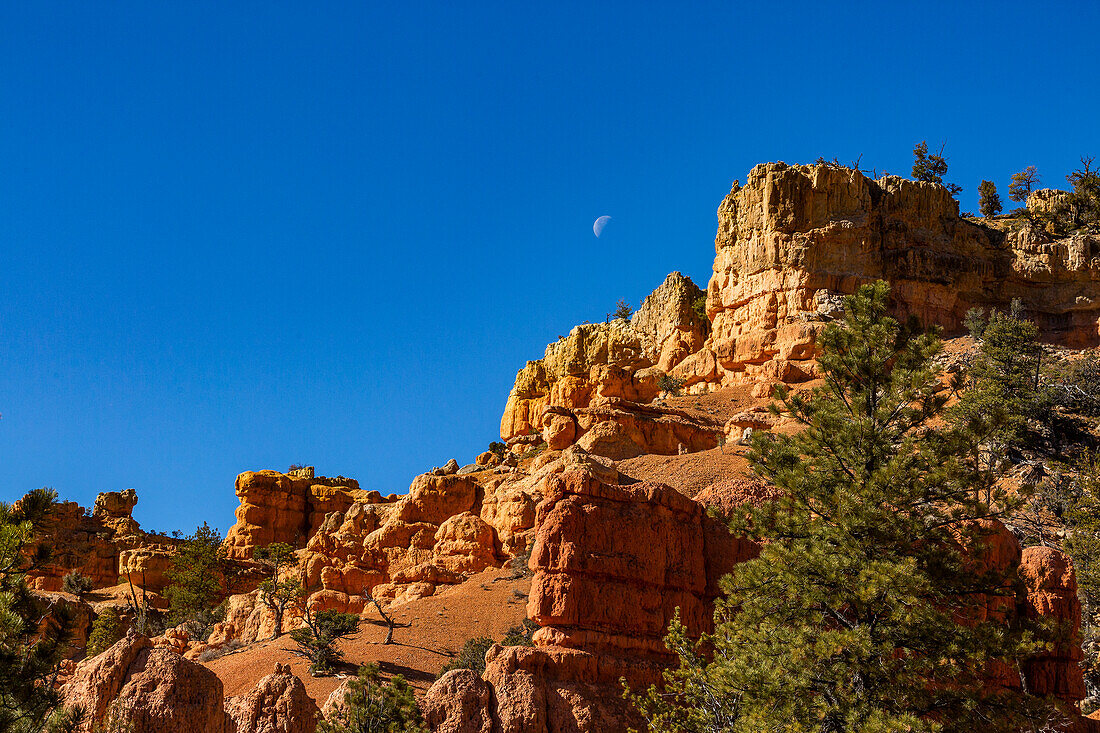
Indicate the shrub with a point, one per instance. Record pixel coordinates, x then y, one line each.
521 635
77 584
498 448
699 305
471 656
106 630
317 639
230 646
623 310
1077 386
670 384
372 705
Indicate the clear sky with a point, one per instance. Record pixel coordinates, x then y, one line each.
240 235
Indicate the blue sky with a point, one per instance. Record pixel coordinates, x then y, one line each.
235 236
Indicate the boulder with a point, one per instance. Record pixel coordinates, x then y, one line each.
154 689
459 702
465 543
278 704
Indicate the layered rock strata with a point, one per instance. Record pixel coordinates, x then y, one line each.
617 359
796 238
790 244
279 507
613 563
446 528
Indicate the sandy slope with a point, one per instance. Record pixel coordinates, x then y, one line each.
485 605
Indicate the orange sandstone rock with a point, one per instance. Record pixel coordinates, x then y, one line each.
278 704
155 689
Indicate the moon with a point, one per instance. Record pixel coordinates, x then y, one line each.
600 224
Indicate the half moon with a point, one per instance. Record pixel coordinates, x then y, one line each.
600 224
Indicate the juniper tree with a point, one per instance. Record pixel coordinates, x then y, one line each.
317 639
33 634
848 621
278 592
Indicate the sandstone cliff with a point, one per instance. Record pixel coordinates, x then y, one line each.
790 244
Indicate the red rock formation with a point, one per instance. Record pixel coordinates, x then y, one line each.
790 244
277 507
620 358
278 704
79 542
598 588
441 531
459 702
612 563
155 689
796 238
1052 593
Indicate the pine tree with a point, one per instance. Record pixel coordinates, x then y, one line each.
1004 390
194 580
931 167
33 634
1023 183
372 705
106 630
848 621
989 201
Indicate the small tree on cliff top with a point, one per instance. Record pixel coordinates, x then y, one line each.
989 201
931 167
849 619
1023 183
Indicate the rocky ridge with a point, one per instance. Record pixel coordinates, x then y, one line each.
790 244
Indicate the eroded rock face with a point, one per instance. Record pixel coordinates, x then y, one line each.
155 689
620 358
790 245
278 704
612 563
277 507
442 531
459 702
796 238
79 542
1052 593
114 509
